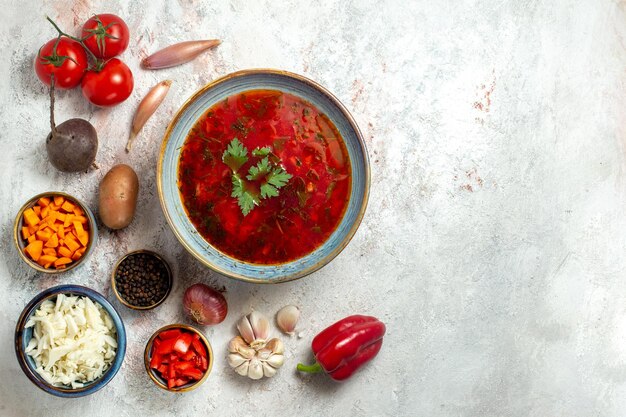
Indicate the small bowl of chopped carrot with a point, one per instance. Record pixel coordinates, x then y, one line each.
54 232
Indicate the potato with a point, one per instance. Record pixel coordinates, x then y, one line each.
117 198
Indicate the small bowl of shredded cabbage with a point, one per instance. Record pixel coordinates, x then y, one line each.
70 341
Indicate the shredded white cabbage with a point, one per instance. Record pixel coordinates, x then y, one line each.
74 340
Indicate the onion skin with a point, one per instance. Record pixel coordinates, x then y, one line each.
146 109
204 305
178 54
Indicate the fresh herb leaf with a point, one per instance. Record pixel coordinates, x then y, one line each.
278 177
235 155
268 190
260 170
245 199
264 151
272 175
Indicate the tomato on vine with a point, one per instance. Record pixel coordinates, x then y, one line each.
108 84
105 35
65 59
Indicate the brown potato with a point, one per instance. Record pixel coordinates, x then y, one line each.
117 198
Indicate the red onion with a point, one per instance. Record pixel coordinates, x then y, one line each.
204 305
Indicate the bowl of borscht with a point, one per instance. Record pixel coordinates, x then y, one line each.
263 176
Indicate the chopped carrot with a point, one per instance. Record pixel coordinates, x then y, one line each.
62 261
43 235
81 219
65 252
71 243
69 218
53 242
52 217
30 217
34 250
55 231
77 255
68 207
78 227
83 238
47 258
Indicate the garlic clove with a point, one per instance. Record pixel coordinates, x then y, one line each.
264 354
276 346
239 346
255 370
243 368
245 329
260 325
234 360
268 371
286 318
275 361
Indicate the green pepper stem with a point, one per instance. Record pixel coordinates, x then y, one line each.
311 369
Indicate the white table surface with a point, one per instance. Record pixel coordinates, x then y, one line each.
494 244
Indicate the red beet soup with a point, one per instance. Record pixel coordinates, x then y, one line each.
264 177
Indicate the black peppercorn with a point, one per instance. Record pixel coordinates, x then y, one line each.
142 279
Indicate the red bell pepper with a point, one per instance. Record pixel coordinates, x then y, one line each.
345 346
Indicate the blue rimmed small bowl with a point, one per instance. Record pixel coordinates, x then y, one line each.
195 107
23 336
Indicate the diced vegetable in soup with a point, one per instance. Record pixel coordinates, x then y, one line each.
264 177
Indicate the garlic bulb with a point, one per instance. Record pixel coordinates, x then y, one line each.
251 354
286 318
255 329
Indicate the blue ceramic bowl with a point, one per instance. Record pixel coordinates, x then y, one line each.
23 336
195 107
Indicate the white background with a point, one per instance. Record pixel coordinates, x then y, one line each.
493 246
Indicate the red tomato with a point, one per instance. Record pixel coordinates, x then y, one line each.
106 35
68 63
109 86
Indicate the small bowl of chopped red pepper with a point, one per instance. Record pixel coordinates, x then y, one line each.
178 358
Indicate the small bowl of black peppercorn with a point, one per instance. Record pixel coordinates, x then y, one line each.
141 280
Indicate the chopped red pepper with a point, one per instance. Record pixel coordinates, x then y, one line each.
165 347
179 358
169 334
156 361
199 347
183 342
345 346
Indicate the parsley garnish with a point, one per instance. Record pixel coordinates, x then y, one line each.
262 151
272 176
235 155
260 170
